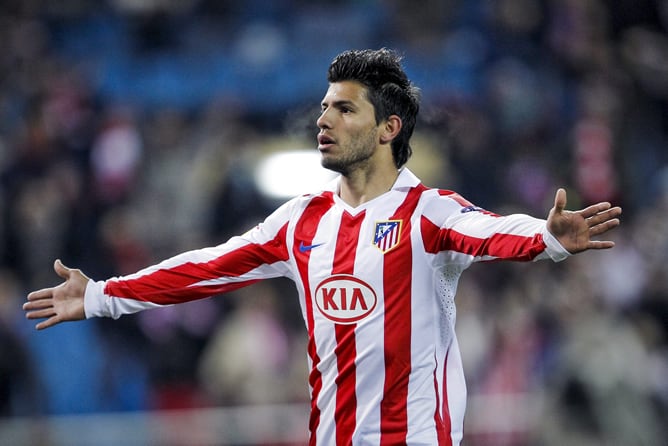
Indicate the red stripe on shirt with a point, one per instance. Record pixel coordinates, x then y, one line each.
463 202
442 417
346 346
177 284
305 230
397 285
502 246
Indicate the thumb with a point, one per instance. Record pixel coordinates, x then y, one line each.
560 200
61 269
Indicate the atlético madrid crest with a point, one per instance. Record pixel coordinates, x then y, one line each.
387 234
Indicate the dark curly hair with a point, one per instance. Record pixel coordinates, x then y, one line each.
388 89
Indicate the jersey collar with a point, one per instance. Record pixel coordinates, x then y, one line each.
406 179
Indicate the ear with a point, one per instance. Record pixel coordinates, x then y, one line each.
390 129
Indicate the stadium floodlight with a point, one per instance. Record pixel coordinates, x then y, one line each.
287 174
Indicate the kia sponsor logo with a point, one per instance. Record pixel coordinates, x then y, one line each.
345 299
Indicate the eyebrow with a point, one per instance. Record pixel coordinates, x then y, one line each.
339 104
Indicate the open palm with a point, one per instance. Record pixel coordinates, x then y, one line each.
61 303
576 230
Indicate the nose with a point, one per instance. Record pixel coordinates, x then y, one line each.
323 122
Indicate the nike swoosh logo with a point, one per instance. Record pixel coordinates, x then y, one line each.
305 248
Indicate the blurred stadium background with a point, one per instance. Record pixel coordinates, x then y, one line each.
130 130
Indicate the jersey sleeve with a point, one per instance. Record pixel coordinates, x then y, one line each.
260 253
465 233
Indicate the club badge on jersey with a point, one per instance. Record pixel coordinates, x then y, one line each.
387 235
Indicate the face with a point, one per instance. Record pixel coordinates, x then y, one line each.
348 135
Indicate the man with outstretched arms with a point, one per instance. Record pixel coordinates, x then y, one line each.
375 256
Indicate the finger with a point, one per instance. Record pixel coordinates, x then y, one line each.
604 227
560 200
48 323
61 269
44 293
600 244
41 314
38 304
602 217
612 213
594 209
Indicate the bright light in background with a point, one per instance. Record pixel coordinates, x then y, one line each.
288 174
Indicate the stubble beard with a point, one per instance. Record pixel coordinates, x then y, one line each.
353 156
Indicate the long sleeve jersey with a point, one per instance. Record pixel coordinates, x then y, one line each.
376 285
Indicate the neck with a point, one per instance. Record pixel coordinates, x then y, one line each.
365 184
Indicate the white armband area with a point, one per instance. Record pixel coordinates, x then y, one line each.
553 248
98 304
95 301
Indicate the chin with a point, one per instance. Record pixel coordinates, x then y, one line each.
331 164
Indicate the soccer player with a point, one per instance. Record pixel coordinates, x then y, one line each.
375 258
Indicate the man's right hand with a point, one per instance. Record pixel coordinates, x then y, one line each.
61 303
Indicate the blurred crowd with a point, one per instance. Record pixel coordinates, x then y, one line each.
129 130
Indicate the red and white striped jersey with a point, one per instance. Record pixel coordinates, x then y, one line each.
376 285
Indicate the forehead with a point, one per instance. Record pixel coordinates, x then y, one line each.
348 91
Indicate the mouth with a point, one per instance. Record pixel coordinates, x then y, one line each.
325 142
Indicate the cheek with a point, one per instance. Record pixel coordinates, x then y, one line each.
362 130
367 136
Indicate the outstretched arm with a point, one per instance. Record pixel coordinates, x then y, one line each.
575 230
61 303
